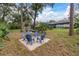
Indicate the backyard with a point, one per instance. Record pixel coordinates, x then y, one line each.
60 44
24 25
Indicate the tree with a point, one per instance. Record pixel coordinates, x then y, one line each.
22 26
15 21
71 28
24 11
36 7
5 10
52 21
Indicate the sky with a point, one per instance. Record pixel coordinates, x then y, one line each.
58 12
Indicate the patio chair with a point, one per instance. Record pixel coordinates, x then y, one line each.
23 35
29 39
42 37
36 34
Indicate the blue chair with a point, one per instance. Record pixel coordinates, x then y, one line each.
42 37
36 34
29 38
23 35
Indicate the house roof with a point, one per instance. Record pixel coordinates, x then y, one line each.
60 22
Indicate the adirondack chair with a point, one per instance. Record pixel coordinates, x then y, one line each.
36 34
42 37
29 39
23 35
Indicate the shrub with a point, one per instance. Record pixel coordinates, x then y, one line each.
41 27
77 22
3 30
77 30
50 28
14 26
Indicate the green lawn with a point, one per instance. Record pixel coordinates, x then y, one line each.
60 36
60 44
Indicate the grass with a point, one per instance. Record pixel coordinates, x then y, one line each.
60 44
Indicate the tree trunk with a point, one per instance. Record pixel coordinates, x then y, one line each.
22 21
34 20
3 17
71 28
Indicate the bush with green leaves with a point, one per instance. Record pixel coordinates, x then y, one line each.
41 27
77 30
14 26
3 30
77 25
77 22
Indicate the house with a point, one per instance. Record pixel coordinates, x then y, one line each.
60 24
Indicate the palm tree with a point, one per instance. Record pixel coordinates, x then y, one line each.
71 28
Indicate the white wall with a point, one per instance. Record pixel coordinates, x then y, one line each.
63 25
